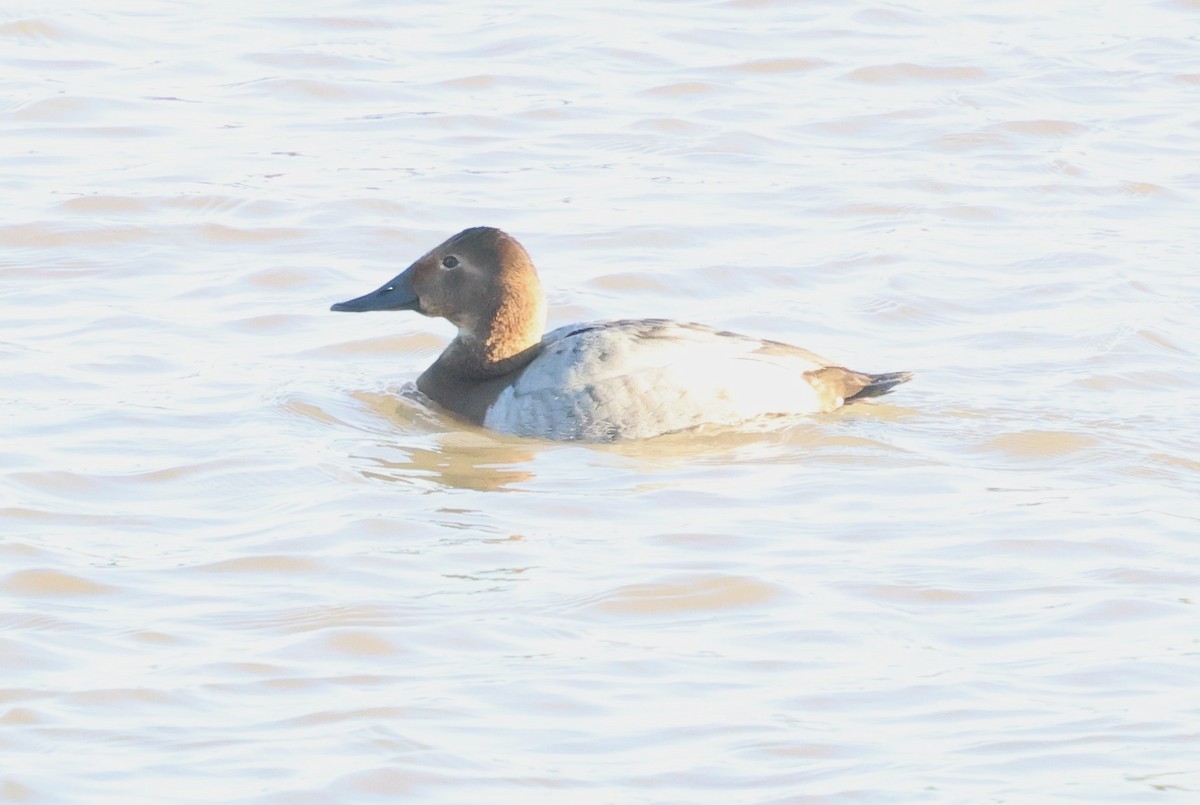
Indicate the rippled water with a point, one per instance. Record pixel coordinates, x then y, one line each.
239 563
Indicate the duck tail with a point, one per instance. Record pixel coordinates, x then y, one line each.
878 385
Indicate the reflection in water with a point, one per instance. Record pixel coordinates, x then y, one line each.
451 466
452 456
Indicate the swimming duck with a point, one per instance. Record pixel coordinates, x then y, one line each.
601 381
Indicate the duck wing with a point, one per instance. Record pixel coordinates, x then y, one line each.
645 377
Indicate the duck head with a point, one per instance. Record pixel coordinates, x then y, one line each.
481 280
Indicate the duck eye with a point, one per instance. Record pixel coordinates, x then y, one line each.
450 262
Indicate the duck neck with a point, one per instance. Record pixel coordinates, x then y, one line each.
506 341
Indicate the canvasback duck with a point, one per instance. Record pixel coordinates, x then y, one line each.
596 382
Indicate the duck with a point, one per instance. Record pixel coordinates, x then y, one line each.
601 381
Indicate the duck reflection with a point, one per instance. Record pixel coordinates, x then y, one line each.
481 469
437 453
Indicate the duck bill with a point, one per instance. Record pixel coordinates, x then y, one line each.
397 294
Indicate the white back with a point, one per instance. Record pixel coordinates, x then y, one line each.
636 379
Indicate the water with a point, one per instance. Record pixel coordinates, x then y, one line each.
239 563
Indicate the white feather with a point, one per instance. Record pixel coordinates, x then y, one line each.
636 379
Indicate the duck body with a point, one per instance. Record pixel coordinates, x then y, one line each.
596 382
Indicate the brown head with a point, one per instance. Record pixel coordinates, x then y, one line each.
481 280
